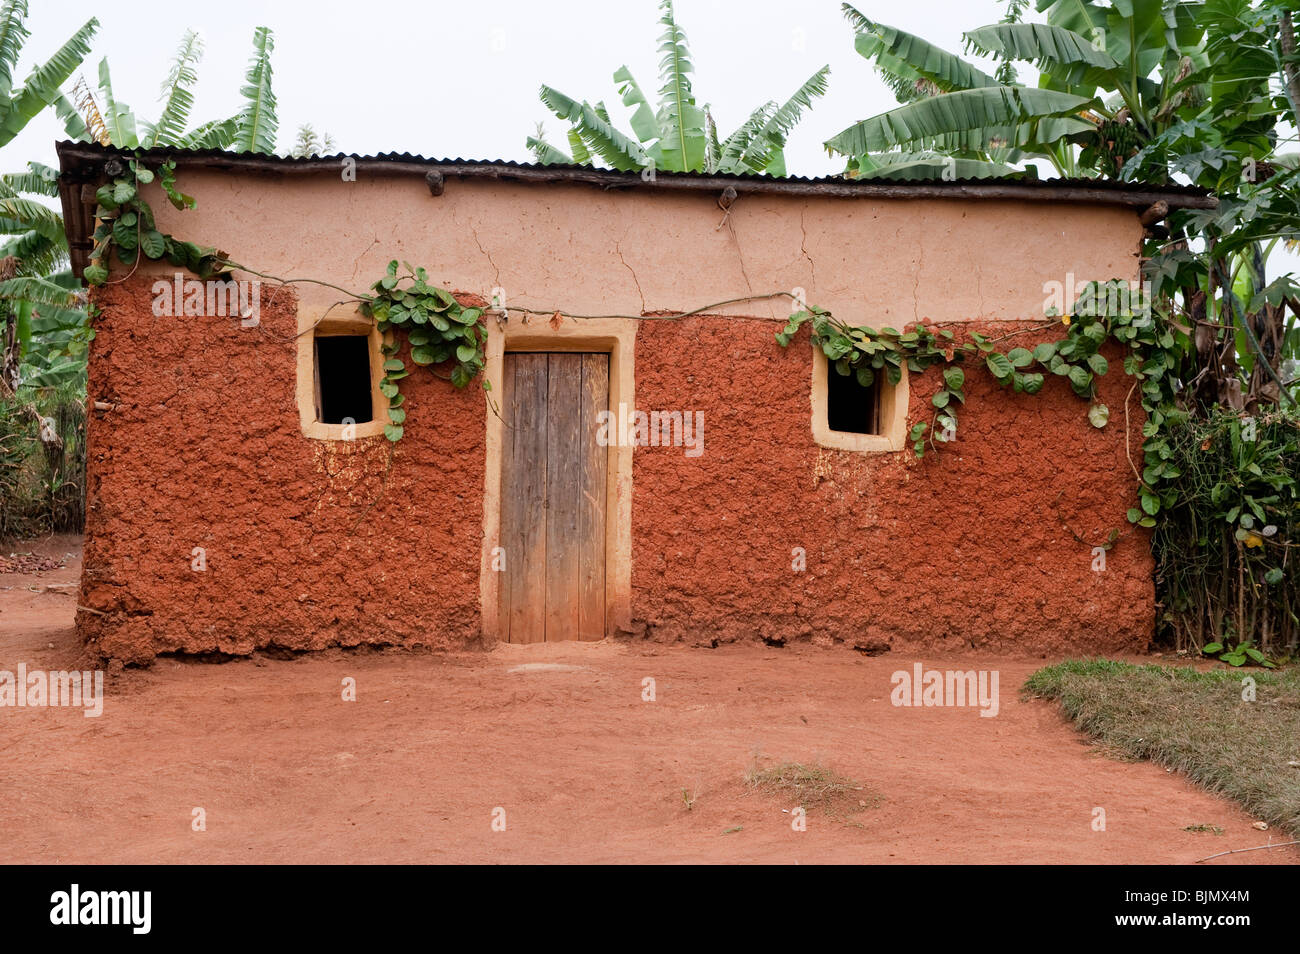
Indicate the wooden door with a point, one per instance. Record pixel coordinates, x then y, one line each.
553 497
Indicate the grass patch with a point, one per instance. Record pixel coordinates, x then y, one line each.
1192 721
811 786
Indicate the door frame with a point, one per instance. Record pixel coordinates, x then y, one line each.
617 338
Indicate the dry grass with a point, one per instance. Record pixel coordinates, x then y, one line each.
1194 722
811 786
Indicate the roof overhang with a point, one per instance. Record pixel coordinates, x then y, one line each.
82 170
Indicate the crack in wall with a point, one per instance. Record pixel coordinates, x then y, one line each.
619 250
356 265
496 272
749 286
916 284
803 247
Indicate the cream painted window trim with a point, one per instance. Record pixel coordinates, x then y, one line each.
313 324
893 414
617 338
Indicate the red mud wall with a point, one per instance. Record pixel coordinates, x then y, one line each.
974 547
305 545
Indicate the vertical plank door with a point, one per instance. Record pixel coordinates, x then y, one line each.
553 497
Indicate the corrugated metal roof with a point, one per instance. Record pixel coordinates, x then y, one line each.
563 171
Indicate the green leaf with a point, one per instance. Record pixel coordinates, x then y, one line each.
1210 648
460 377
153 243
1066 55
977 116
764 150
643 121
545 153
125 235
393 432
41 87
684 141
1098 415
178 89
1000 366
257 123
904 59
617 149
1098 364
1020 357
955 378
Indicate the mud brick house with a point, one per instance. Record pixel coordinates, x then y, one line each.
241 494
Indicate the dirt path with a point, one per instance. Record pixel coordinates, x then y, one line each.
560 738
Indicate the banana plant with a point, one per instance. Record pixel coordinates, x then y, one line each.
252 129
50 330
42 299
1225 136
32 244
1110 81
256 123
32 232
41 88
677 134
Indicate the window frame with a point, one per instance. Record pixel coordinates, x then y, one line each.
892 415
313 325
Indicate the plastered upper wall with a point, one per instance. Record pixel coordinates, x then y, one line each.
587 251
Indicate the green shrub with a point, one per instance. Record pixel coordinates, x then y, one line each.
1225 553
42 489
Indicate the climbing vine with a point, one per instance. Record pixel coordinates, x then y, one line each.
438 328
865 352
126 223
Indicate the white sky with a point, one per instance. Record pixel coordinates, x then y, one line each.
446 79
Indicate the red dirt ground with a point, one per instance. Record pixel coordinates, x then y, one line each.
585 770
